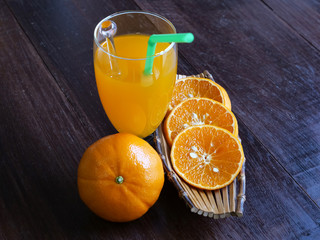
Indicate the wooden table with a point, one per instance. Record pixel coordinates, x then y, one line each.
264 53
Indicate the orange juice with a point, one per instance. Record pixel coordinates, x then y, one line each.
135 103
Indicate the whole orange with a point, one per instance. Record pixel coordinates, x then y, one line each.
120 177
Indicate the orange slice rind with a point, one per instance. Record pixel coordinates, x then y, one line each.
198 111
198 87
207 157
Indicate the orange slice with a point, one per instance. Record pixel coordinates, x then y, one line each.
198 111
198 87
207 157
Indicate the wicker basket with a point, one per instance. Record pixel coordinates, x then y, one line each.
227 201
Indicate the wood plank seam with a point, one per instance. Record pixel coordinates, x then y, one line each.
272 156
290 26
83 119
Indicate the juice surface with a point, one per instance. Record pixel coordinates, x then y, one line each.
135 103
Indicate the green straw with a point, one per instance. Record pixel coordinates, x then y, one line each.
156 38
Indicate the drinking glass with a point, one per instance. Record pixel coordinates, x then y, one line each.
133 101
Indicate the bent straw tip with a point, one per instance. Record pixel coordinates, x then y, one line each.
155 38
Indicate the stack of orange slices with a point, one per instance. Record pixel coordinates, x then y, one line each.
203 134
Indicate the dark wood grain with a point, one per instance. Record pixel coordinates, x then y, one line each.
62 33
302 16
270 72
37 172
50 113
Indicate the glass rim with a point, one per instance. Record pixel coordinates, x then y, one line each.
127 12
